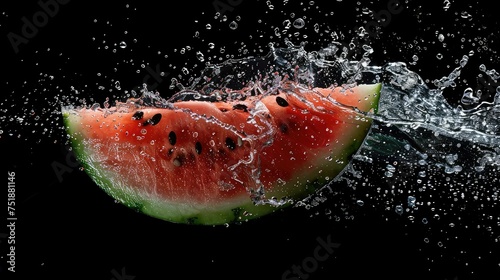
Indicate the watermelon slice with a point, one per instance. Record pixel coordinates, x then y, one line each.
203 162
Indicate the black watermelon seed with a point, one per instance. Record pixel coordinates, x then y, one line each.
281 101
155 119
197 147
138 115
241 107
284 127
230 143
172 138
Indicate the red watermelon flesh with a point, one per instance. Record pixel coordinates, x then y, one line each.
218 162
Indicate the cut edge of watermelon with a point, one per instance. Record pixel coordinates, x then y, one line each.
238 209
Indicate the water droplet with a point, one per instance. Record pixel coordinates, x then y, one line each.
123 44
287 24
465 15
208 26
270 5
398 209
390 168
95 106
316 27
446 5
441 37
360 202
299 23
411 201
233 25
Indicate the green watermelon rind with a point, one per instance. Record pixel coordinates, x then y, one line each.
237 210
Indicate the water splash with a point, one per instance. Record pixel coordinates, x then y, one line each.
424 136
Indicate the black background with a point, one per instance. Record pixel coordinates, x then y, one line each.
70 229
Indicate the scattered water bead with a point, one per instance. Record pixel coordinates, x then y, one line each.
287 24
399 209
391 168
446 5
233 25
465 15
493 74
411 201
200 56
441 37
299 23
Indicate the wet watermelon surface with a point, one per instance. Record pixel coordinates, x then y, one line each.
251 156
